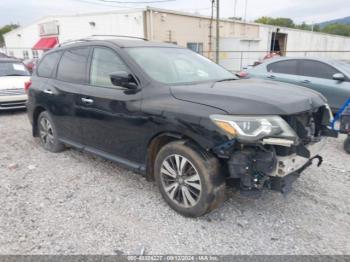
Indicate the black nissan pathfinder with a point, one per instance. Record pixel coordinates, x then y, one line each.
177 118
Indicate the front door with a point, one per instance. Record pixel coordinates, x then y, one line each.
319 77
110 115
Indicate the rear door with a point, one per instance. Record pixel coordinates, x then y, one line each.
110 115
62 93
319 77
284 71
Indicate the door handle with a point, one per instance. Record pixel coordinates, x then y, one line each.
48 91
271 77
87 101
306 82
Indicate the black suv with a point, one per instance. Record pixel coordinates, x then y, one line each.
176 117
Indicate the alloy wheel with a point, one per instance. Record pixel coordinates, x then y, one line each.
46 132
181 181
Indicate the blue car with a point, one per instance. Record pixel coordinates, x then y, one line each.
329 77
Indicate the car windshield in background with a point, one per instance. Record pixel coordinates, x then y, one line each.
177 65
13 69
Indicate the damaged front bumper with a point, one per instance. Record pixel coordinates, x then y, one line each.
284 184
259 167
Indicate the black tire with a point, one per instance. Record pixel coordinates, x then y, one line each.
48 133
205 168
347 145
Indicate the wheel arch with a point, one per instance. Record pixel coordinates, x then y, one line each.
160 140
37 111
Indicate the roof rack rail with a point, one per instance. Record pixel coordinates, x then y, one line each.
73 41
122 36
90 38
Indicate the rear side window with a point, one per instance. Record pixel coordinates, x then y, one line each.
283 67
72 67
317 69
48 64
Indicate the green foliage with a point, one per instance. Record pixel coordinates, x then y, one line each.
4 30
335 29
284 22
235 18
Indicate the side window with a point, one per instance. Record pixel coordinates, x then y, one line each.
48 63
72 67
105 62
317 69
283 67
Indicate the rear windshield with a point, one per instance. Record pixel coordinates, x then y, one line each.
13 69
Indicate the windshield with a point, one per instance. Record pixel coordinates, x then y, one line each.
13 69
344 65
177 65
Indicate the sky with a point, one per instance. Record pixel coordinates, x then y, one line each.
311 11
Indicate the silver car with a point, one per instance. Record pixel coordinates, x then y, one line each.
14 77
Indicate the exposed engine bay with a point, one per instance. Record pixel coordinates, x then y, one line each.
275 162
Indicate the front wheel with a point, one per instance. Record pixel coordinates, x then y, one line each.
347 145
189 182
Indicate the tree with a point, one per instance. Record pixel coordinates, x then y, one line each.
5 29
337 29
281 21
304 26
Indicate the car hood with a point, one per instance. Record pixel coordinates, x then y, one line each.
251 97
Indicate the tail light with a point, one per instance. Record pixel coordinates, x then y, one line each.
243 74
27 85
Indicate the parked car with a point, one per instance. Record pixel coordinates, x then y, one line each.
176 117
329 77
31 63
2 55
13 80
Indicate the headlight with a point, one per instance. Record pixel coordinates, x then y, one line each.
254 128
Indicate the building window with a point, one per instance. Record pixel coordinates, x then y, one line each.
197 47
171 42
25 54
35 53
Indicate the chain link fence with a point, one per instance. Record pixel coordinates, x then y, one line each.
232 60
238 60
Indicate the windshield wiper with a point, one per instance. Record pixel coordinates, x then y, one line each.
226 79
223 80
14 75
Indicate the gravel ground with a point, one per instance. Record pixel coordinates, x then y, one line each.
75 203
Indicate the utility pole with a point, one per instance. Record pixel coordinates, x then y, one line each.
235 9
170 36
245 10
210 55
217 30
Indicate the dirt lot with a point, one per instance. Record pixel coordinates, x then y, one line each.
75 203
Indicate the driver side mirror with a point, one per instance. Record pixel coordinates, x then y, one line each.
123 79
339 77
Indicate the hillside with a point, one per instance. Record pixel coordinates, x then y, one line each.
345 21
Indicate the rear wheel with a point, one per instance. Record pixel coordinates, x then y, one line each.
347 145
189 182
48 133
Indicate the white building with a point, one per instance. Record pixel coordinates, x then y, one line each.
241 43
30 41
238 52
